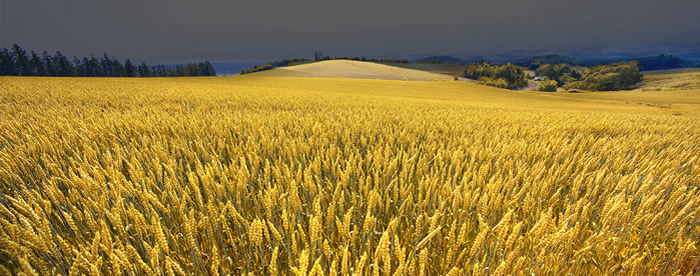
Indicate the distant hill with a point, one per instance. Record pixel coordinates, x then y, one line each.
662 62
351 69
534 62
440 60
658 62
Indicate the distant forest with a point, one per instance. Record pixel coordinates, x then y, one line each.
16 62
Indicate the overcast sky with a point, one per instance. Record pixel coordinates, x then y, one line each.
174 31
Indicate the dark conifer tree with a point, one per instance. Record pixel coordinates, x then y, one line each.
106 64
16 62
38 65
94 67
143 70
208 69
117 69
49 65
129 69
80 67
179 71
22 65
7 64
63 66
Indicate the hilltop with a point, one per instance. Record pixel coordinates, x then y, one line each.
353 70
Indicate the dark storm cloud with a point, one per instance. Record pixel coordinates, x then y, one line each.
158 31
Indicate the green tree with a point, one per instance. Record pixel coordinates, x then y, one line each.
561 73
611 77
548 86
489 74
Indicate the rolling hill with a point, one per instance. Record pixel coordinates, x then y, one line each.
352 70
440 68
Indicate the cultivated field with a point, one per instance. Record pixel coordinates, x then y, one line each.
299 176
671 81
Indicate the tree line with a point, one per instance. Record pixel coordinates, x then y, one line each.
562 73
611 77
614 76
17 62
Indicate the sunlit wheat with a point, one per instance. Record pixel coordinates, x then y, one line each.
297 177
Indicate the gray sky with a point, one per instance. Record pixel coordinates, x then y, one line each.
173 31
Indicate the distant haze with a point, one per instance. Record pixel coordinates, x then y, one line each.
175 31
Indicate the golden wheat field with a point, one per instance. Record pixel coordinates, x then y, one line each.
296 176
